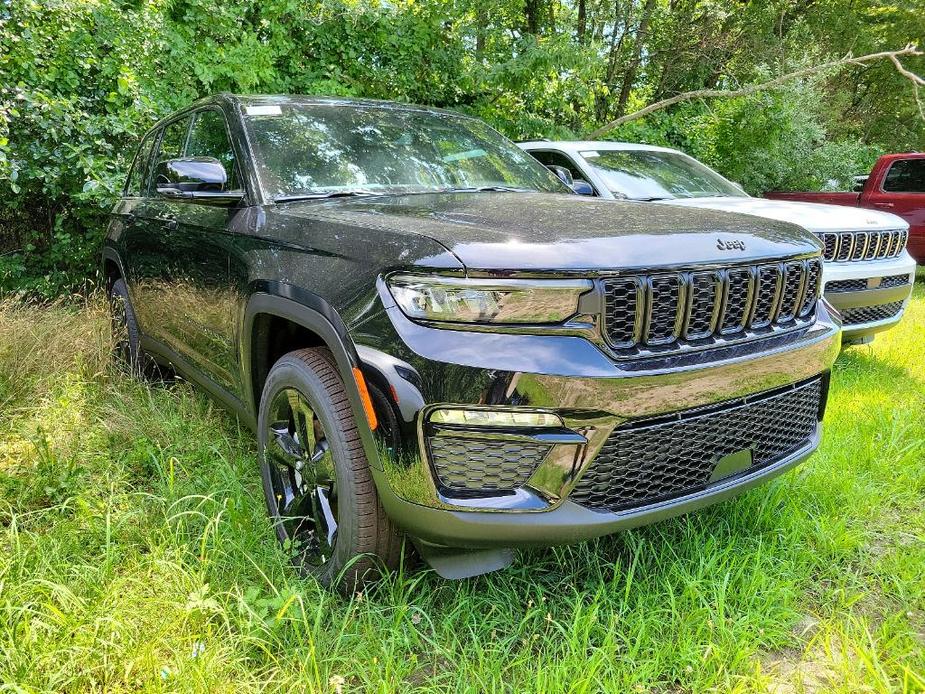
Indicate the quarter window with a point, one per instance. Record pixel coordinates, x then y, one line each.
135 185
906 176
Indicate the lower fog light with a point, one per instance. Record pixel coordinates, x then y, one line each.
494 418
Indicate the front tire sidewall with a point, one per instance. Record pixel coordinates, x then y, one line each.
290 372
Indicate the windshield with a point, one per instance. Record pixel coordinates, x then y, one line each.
324 150
650 175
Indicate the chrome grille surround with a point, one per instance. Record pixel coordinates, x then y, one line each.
658 312
846 246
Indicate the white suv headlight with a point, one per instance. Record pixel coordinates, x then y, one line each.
460 300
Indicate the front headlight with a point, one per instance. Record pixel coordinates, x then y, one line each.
459 300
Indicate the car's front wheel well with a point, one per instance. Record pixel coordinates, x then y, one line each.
272 338
111 272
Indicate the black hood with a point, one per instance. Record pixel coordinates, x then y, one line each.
541 231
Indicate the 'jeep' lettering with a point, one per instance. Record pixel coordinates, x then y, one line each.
733 245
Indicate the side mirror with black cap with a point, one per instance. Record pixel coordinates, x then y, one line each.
564 174
202 179
582 187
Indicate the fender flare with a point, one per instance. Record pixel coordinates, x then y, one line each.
310 312
110 253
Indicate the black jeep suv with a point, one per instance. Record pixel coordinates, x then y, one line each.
433 336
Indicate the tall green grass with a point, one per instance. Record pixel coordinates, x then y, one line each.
135 555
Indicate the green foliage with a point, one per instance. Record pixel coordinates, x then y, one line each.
81 80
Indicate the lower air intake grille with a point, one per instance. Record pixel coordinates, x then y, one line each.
859 285
894 281
483 466
839 286
652 460
869 314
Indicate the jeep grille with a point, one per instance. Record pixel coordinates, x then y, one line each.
852 246
658 312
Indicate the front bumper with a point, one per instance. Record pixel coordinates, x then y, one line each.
859 291
569 377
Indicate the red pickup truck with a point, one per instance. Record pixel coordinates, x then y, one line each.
896 184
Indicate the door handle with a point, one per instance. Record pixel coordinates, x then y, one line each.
170 224
886 205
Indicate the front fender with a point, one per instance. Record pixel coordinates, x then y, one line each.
314 314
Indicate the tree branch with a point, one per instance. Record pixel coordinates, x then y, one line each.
910 50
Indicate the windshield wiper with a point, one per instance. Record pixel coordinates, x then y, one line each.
655 198
322 196
485 189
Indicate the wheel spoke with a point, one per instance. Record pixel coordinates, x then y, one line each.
303 476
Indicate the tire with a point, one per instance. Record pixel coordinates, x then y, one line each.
304 386
127 337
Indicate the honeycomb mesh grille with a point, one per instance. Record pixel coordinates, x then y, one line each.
622 298
704 287
793 280
645 462
736 301
662 324
894 281
863 245
858 285
860 246
484 466
839 286
811 290
869 314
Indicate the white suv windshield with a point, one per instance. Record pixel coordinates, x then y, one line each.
324 150
651 175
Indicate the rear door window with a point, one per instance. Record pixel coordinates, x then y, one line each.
906 176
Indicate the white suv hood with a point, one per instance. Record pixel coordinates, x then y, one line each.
813 216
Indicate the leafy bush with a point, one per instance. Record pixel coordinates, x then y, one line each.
82 80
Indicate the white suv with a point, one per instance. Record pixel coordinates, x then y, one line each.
868 273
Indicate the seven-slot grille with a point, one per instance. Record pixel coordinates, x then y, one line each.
846 246
652 460
664 310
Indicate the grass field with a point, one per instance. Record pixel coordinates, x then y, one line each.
136 556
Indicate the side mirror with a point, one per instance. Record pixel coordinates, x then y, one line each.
564 174
582 187
194 178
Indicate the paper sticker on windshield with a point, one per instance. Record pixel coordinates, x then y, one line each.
590 155
263 111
